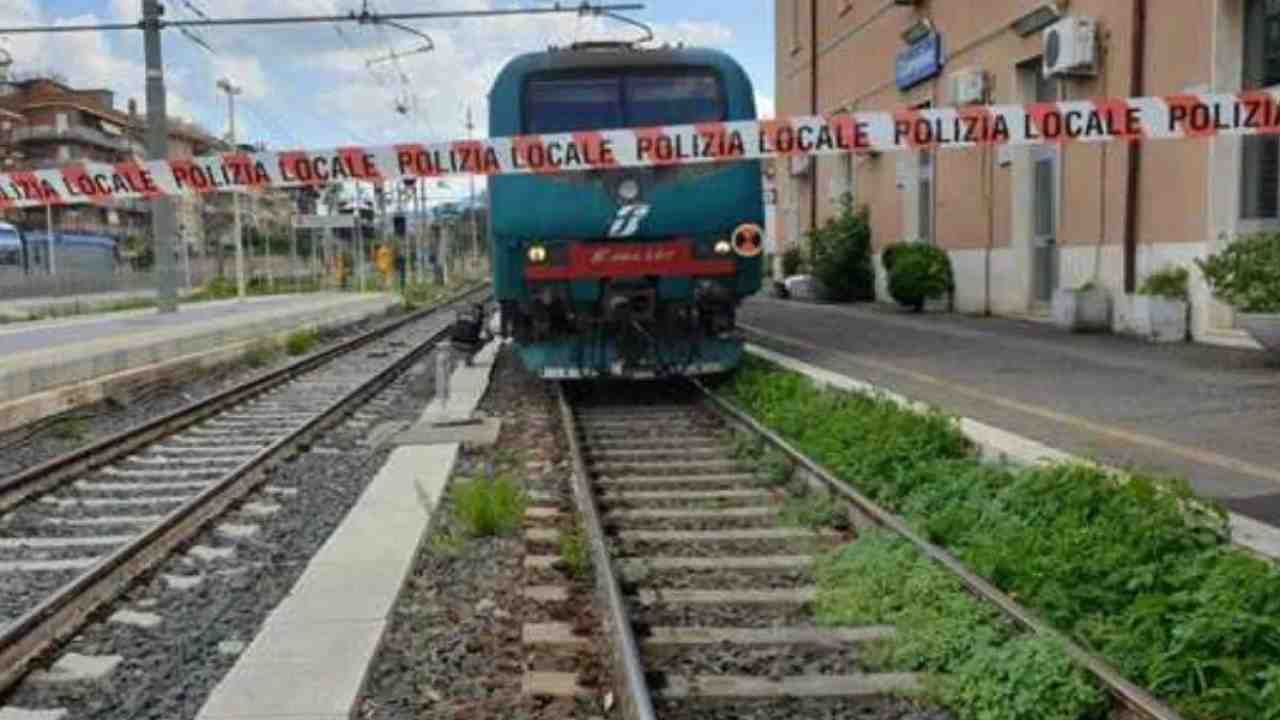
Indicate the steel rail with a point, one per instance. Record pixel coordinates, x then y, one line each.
16 489
1133 696
61 615
636 702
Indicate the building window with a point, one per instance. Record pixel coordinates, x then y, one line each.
1260 170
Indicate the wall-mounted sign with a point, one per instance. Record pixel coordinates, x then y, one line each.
919 62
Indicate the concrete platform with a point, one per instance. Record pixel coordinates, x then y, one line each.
49 367
30 308
310 658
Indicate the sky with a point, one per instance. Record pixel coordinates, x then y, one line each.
310 85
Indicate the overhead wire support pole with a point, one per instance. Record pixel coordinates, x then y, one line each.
163 219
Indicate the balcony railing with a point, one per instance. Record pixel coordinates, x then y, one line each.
73 133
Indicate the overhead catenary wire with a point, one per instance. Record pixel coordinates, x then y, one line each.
258 110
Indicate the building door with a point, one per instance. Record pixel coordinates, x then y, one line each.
1044 224
1044 179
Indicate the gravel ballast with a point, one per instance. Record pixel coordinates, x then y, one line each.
241 567
453 649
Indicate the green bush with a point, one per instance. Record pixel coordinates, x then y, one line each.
841 256
1246 275
918 273
1139 571
301 342
889 254
792 261
1169 282
489 507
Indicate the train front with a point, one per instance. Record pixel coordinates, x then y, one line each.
634 272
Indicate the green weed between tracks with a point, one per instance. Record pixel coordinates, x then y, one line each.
1138 570
979 664
301 342
575 553
489 507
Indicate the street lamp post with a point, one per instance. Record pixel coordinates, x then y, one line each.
232 91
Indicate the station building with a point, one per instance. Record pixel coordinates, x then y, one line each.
1019 223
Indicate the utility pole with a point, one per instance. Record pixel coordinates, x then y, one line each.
48 224
475 233
163 220
232 91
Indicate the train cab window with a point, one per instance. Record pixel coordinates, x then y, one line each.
625 100
573 104
680 100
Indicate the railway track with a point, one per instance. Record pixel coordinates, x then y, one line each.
706 591
78 531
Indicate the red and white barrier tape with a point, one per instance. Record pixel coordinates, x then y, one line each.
1100 120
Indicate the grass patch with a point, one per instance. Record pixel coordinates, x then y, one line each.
775 469
71 429
1138 571
979 665
816 511
489 507
575 553
262 353
301 342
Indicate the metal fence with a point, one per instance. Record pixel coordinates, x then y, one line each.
74 282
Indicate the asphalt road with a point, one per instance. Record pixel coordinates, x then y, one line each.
1211 415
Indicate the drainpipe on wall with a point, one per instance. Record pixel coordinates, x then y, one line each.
813 110
1139 41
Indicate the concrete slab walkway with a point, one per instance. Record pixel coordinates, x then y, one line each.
312 654
1211 415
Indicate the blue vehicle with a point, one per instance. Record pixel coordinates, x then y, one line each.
13 252
631 272
84 254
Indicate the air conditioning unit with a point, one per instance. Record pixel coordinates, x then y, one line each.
1071 47
968 87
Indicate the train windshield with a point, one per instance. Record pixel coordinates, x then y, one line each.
10 248
566 105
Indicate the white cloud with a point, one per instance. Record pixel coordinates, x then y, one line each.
765 107
309 85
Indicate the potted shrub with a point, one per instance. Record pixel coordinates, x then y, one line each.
917 273
1083 309
1246 275
840 254
1160 307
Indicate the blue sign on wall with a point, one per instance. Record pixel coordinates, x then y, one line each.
919 62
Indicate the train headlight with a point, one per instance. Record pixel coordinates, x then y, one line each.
537 254
629 190
723 247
